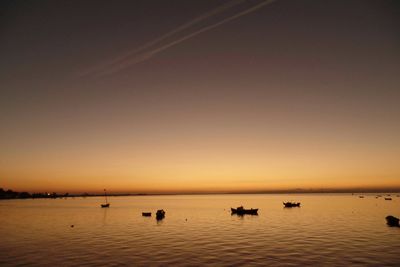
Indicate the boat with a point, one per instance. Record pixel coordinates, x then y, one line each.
392 221
388 198
291 204
241 211
160 214
146 214
105 205
361 196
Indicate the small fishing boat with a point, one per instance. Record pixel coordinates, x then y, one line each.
160 214
105 205
392 221
146 214
291 204
361 196
241 211
388 198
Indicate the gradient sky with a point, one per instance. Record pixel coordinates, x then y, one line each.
293 94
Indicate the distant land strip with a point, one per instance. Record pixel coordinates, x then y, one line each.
10 194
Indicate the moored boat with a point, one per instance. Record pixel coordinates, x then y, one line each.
291 204
105 205
241 211
388 198
146 214
160 214
392 221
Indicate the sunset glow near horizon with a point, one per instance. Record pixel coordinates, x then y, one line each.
225 96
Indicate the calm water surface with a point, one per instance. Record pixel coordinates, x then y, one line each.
328 230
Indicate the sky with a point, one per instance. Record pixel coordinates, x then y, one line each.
199 96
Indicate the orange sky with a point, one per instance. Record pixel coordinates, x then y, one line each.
207 163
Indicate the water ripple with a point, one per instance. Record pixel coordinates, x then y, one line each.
328 230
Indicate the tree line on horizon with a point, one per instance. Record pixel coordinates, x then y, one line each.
10 194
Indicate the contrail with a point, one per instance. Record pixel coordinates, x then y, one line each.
163 37
146 55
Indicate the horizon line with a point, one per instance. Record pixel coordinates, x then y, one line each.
216 192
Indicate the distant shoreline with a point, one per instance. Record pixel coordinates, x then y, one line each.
9 194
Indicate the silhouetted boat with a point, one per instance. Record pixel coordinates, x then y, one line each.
160 214
241 211
388 198
291 204
392 221
146 214
105 205
361 196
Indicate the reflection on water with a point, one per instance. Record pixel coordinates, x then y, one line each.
104 216
330 229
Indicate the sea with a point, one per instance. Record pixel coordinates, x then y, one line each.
199 230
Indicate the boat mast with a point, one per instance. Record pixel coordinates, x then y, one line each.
105 195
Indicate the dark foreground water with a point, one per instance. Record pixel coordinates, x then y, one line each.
328 230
